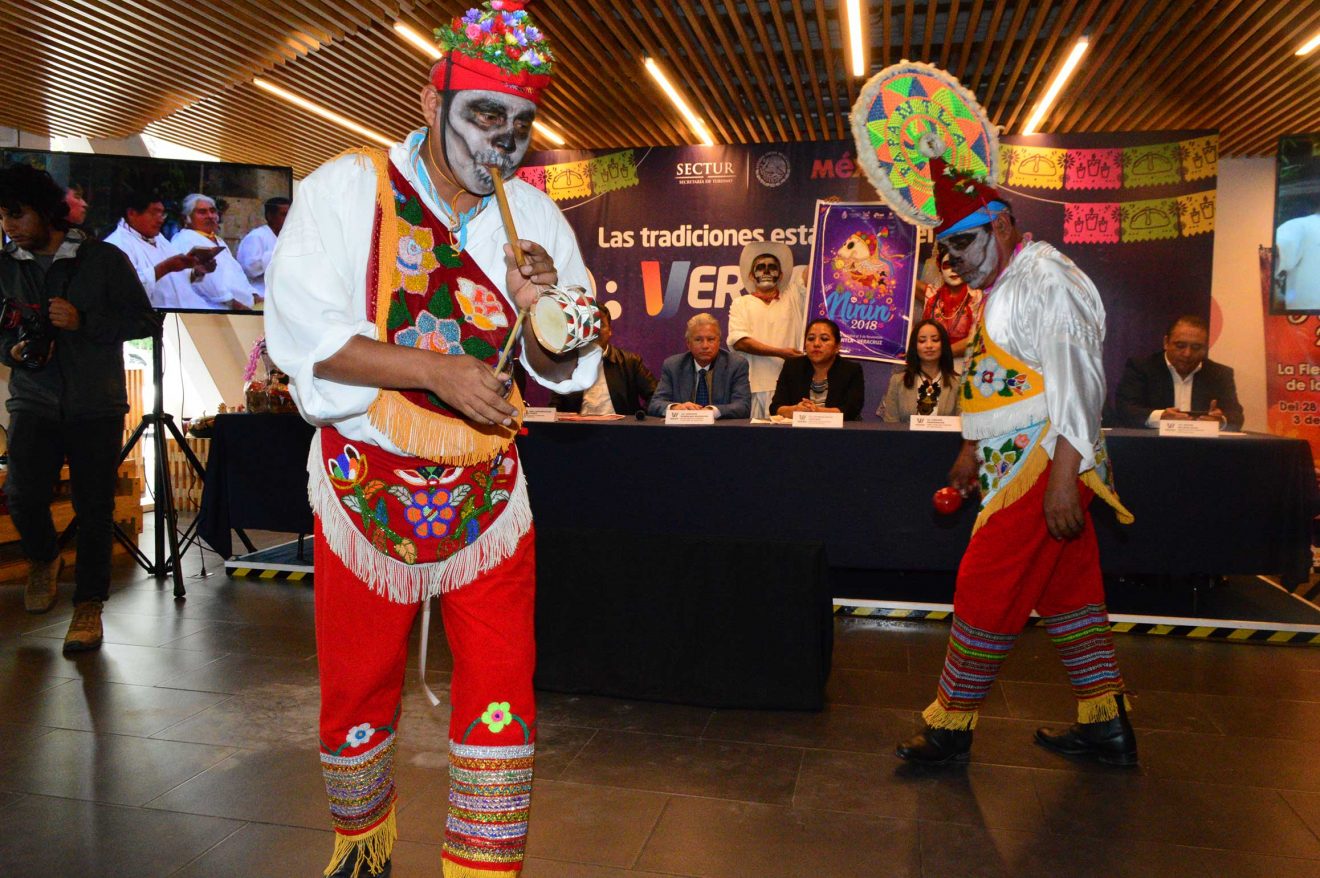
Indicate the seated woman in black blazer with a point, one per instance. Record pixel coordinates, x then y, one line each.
822 381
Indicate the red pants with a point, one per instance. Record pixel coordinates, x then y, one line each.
1013 566
362 646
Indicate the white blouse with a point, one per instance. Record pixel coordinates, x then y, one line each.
1045 311
316 284
227 283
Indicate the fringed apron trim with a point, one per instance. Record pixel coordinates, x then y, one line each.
410 583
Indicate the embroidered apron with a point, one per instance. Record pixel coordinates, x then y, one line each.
458 479
1011 462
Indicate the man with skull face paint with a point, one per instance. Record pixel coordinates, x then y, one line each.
1031 400
391 292
767 324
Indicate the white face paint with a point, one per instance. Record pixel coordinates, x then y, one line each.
766 273
487 128
974 255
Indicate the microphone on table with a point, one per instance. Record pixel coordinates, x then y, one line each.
640 415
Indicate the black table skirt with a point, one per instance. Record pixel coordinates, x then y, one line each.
256 478
1233 505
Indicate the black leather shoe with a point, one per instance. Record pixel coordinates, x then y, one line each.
937 746
349 868
1113 742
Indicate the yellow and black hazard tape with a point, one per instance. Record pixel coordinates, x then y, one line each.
1193 632
262 573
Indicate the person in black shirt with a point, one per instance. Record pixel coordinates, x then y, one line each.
78 301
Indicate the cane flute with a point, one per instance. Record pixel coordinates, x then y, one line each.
518 258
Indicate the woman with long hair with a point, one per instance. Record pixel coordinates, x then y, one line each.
928 384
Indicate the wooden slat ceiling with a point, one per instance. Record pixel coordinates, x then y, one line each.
755 71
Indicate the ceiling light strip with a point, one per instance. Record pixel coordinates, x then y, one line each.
318 110
694 121
858 50
1056 85
1309 46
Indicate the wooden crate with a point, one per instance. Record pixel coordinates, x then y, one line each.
184 479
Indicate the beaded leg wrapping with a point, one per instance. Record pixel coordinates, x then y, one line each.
970 668
361 793
1086 648
490 794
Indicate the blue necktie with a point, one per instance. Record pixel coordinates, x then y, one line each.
703 392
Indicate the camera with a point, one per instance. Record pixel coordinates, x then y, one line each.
27 334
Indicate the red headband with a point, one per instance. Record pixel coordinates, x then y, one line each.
466 72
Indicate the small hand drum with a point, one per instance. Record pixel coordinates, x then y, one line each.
565 319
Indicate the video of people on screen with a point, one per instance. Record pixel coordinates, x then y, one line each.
1295 284
199 234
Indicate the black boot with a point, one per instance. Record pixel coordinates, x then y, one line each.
1113 741
937 746
350 868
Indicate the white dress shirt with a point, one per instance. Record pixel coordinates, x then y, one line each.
316 284
227 283
253 255
1182 393
172 290
596 401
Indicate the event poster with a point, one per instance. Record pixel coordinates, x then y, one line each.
863 270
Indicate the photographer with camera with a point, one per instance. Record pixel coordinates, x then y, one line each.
70 304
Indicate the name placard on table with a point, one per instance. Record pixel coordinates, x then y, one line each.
1201 429
689 417
818 419
540 414
936 423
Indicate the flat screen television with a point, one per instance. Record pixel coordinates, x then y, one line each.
1295 276
106 183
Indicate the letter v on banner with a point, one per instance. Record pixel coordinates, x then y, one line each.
666 305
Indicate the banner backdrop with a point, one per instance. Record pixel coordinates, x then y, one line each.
662 228
863 261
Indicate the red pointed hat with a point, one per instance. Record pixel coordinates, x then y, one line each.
494 48
963 202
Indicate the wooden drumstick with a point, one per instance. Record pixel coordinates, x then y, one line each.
518 258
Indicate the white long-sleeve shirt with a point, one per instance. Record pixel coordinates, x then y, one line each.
1298 241
227 283
173 290
1045 311
254 253
316 284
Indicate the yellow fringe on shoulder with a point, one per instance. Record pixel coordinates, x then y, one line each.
1103 491
450 869
938 718
1100 709
419 431
1032 469
376 845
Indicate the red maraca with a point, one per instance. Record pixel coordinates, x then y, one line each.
947 500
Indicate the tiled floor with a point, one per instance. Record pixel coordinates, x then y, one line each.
186 747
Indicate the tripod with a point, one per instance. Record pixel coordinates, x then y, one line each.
167 517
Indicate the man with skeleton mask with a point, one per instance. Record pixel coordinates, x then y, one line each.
1031 400
766 325
391 293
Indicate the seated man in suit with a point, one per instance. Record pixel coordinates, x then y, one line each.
1179 383
623 383
704 377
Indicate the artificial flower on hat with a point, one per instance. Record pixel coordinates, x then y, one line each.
962 200
496 47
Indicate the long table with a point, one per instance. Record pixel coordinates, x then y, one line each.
1239 504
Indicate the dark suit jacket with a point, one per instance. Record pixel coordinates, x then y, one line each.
1146 385
730 391
630 382
846 392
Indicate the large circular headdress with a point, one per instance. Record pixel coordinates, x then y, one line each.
908 114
